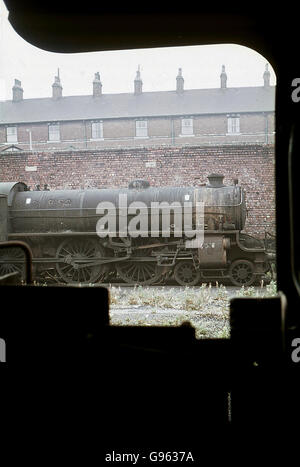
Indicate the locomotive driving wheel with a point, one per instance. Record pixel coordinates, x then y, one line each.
241 273
12 260
76 261
186 274
138 273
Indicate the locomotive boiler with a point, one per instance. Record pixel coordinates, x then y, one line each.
140 234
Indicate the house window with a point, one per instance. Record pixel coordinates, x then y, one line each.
11 134
233 124
97 130
141 128
187 126
54 133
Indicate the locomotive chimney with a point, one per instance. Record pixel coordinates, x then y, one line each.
215 180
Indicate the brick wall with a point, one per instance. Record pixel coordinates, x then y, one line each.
253 165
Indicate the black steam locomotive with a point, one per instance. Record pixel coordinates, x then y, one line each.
88 236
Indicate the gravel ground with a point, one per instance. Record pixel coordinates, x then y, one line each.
206 308
208 324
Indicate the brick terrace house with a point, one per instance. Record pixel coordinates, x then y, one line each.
179 117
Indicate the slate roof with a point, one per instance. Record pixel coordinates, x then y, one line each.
148 104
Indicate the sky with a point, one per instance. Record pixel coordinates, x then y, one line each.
201 67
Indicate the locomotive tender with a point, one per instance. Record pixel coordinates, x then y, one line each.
62 229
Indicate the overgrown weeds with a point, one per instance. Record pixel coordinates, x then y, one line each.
205 307
189 298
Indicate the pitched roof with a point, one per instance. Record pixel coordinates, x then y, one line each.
11 147
148 104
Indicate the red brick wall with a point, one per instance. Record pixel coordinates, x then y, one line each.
253 165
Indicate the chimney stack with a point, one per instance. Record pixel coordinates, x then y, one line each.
97 85
266 76
223 77
17 91
138 83
57 87
179 82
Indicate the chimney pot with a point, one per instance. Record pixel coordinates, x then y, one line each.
223 77
57 87
97 85
266 76
17 91
138 83
179 82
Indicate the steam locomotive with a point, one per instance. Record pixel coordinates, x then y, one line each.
87 236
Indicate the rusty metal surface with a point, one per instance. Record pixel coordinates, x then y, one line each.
213 252
75 210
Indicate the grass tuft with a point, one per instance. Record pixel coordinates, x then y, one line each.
205 308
